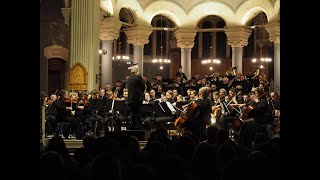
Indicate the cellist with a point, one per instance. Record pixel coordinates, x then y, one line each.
261 116
198 125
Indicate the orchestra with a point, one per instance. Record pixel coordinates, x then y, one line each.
96 111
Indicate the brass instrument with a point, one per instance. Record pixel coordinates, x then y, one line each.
231 81
232 71
256 73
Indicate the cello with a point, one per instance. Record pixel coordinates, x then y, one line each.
192 112
246 113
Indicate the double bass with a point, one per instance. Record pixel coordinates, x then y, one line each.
192 112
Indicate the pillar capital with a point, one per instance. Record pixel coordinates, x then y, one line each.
66 12
185 38
138 36
238 37
109 28
274 32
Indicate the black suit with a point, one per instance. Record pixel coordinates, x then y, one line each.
182 75
198 125
135 87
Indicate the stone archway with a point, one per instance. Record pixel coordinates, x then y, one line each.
56 51
78 77
54 68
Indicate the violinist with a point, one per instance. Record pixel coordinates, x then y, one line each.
82 112
64 108
216 106
198 125
228 112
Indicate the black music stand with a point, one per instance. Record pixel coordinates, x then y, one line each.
147 110
162 113
111 110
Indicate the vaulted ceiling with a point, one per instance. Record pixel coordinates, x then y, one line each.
187 13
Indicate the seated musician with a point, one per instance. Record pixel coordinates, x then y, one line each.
228 113
64 114
118 87
124 95
152 93
123 116
259 118
174 94
50 115
216 106
193 95
274 103
99 113
84 113
169 96
198 125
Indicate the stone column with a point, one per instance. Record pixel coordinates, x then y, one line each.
85 19
109 30
185 41
138 36
237 39
274 36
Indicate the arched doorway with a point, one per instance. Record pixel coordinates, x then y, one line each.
56 74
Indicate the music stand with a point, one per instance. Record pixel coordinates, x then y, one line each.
113 106
146 110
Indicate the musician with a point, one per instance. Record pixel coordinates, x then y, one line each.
275 100
83 112
107 87
246 99
181 74
153 96
64 108
118 87
146 82
124 95
198 125
213 87
193 95
146 99
216 106
174 94
50 115
261 117
169 96
228 111
99 113
135 97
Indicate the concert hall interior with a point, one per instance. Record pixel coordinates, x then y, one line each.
129 86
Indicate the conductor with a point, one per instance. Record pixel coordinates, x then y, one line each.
135 87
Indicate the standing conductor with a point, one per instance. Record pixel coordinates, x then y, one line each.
135 87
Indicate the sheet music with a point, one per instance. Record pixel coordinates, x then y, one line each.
173 111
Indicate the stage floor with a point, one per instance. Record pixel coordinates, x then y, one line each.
72 144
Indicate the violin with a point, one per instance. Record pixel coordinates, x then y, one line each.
69 100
